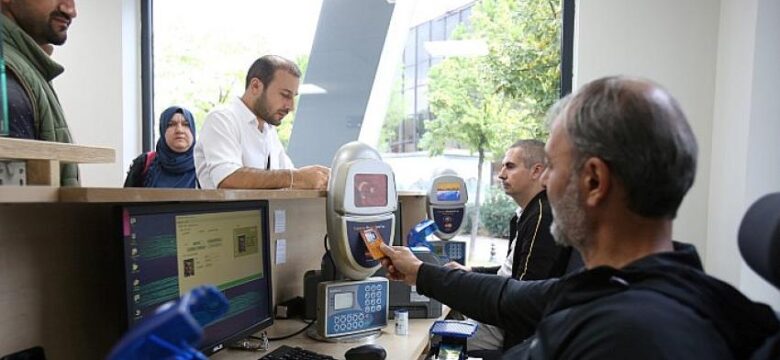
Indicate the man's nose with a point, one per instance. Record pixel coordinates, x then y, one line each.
68 7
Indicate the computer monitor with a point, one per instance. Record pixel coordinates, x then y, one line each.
171 248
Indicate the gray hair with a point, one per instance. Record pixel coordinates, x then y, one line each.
533 151
639 130
265 67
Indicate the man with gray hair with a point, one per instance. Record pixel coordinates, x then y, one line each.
621 157
238 146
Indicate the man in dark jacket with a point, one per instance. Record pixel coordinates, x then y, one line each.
30 29
621 157
532 253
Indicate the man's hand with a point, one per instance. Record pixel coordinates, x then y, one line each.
400 263
311 177
458 266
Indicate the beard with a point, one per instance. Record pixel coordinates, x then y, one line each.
52 33
569 226
260 108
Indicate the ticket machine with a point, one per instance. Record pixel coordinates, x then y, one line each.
359 210
447 200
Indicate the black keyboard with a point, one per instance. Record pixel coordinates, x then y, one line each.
285 352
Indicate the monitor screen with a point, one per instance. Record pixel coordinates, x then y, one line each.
448 191
172 248
370 190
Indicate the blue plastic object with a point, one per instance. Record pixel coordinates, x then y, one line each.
418 235
453 329
175 329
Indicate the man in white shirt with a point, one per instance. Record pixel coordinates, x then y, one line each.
238 146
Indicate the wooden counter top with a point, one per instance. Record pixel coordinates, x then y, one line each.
52 194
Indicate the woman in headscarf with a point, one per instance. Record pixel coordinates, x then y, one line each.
171 165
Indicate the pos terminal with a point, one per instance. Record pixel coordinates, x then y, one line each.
359 210
447 200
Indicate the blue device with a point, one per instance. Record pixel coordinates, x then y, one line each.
445 251
449 339
346 308
175 330
419 234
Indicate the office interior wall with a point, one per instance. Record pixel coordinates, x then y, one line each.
99 89
763 150
674 43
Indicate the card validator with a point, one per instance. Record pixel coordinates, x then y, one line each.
345 308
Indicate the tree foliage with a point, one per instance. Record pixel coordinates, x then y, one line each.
524 42
486 103
489 102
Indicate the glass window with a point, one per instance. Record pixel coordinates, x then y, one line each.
423 36
202 51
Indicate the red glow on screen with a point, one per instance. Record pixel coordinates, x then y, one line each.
370 190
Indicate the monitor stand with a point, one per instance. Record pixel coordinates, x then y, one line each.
368 335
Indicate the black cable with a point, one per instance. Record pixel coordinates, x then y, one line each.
308 324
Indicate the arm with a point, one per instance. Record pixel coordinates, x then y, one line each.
514 305
485 269
307 177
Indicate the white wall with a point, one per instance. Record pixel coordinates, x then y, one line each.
99 90
745 150
761 121
672 42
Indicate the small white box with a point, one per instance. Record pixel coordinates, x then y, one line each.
13 172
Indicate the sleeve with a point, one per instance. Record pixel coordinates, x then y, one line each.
21 119
485 269
135 173
539 253
513 305
285 161
220 143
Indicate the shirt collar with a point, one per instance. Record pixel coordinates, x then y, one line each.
246 115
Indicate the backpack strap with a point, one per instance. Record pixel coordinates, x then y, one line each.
149 158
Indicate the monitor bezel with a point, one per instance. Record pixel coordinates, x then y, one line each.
262 205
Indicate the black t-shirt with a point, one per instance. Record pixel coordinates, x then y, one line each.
21 120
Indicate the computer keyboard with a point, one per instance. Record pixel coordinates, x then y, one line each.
285 352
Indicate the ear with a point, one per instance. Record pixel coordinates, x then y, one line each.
536 171
256 85
596 181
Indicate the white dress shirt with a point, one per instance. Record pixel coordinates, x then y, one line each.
506 267
230 139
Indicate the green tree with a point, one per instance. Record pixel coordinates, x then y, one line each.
393 118
470 113
486 103
524 58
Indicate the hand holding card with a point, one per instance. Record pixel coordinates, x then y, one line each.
373 239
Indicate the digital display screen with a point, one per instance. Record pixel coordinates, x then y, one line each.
370 190
448 191
172 249
342 301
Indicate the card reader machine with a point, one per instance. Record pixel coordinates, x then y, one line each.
359 209
447 200
350 307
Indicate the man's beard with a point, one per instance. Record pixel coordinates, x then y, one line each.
51 35
261 110
568 226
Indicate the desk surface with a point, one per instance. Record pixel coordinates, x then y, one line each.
52 194
397 346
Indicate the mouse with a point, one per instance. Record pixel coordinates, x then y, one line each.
366 352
